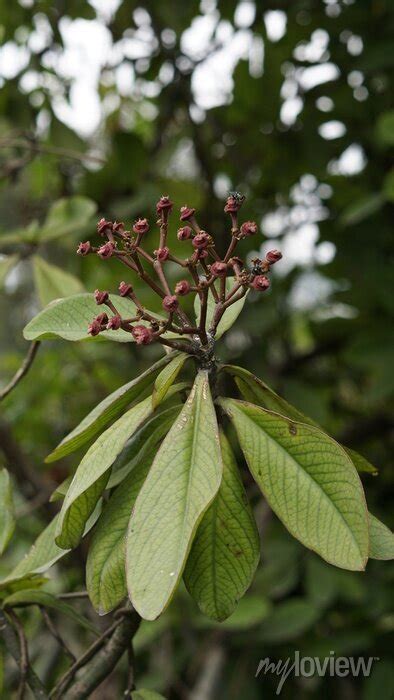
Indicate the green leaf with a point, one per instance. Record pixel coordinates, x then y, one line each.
167 377
47 600
388 186
107 409
256 391
230 315
381 540
69 319
385 128
91 477
7 513
362 209
60 491
250 612
226 548
183 480
144 694
287 621
308 480
6 265
28 234
67 216
52 282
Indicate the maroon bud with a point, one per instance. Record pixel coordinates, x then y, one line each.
141 226
118 227
170 303
94 328
260 283
142 335
186 213
182 288
104 227
101 297
164 205
125 289
219 269
162 254
233 204
202 240
84 248
273 256
249 228
106 250
114 323
184 233
102 319
201 254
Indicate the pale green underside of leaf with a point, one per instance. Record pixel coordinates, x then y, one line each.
7 513
106 410
91 477
6 265
167 377
52 282
226 549
181 484
381 540
256 391
308 480
230 315
47 600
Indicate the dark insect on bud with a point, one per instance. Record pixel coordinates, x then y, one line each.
101 297
186 213
164 204
106 250
162 254
202 240
94 328
184 233
125 289
233 203
114 323
182 288
142 335
249 228
273 256
104 227
170 303
260 283
219 269
141 226
84 248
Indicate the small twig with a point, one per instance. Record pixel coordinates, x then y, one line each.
52 629
51 150
24 655
11 640
23 369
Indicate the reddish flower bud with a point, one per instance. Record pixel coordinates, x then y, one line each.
101 297
94 328
202 240
106 250
162 254
104 227
141 226
125 289
249 228
182 288
102 319
170 303
219 269
233 203
118 227
142 335
260 283
273 256
201 254
186 213
184 233
84 248
164 205
114 323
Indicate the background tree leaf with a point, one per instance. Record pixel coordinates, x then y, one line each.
66 217
6 265
182 482
47 600
230 315
7 511
381 540
308 480
226 549
52 282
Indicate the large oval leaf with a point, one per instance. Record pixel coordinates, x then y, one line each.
183 480
67 216
382 540
226 548
7 513
52 282
230 315
69 319
92 475
108 409
308 480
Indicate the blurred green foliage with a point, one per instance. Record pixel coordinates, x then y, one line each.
323 337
